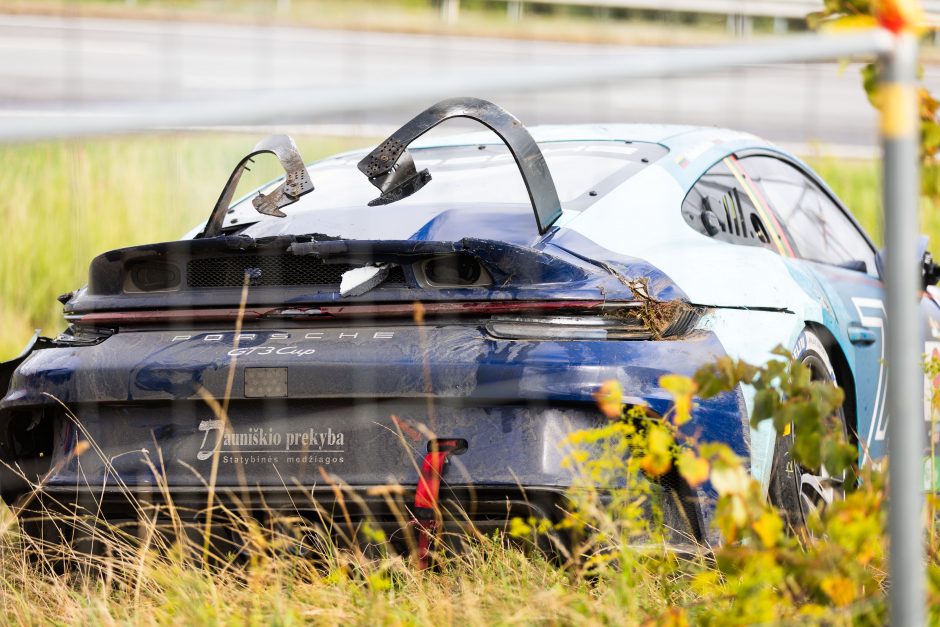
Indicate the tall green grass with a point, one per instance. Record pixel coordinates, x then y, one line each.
62 203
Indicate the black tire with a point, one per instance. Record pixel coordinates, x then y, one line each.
794 490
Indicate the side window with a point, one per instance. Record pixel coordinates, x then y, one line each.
722 206
819 229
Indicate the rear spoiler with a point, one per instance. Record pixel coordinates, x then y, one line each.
392 169
296 183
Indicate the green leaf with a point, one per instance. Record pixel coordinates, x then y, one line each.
806 450
766 402
708 382
838 456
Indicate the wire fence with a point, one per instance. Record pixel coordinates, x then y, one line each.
410 82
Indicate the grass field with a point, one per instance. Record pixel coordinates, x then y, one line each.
476 19
64 203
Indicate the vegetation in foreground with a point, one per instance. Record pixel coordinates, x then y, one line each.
617 570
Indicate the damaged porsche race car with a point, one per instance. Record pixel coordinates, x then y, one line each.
447 333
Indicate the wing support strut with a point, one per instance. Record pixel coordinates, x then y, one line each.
296 183
392 169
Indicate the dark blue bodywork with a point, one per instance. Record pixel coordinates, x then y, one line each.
360 397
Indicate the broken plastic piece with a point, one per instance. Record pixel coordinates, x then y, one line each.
401 181
358 281
296 183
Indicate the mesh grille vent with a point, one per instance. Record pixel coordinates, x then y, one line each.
273 270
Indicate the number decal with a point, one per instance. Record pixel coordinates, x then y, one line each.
878 425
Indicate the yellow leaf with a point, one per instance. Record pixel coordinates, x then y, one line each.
677 384
658 458
730 480
839 589
609 398
682 388
659 441
693 469
738 510
655 465
768 528
849 22
518 528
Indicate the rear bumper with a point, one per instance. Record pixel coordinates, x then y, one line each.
361 405
312 520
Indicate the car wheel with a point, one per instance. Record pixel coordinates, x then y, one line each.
797 491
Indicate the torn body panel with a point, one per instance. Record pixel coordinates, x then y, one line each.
307 269
296 183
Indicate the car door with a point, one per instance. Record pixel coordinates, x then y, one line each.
837 251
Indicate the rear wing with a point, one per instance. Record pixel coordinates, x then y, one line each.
296 183
392 169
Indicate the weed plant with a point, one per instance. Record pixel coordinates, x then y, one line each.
620 564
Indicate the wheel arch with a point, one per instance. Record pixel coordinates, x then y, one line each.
845 377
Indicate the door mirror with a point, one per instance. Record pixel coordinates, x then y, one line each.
930 271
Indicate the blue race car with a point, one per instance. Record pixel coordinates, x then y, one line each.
388 322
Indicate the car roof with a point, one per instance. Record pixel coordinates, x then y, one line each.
690 151
673 136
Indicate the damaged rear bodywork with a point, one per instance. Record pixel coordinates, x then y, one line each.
287 347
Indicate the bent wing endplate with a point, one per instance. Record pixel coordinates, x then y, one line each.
296 183
391 168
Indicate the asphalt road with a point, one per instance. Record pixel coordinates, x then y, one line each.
50 65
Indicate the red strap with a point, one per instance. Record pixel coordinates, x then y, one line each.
426 502
429 483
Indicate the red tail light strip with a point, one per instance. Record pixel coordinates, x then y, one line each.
391 310
122 318
483 307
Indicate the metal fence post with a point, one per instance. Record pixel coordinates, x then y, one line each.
900 136
450 11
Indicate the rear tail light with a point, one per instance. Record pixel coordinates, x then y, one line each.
632 326
506 319
568 328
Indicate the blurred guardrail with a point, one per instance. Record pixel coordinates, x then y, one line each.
739 13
